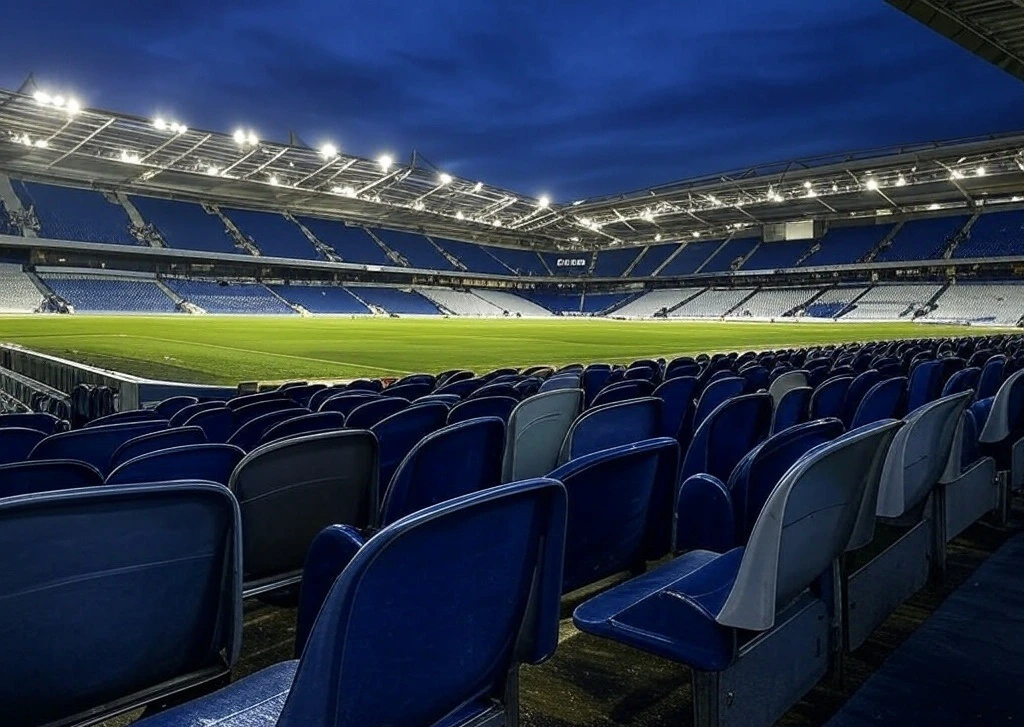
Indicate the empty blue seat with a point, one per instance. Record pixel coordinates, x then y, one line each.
460 387
925 384
411 391
319 397
448 400
237 402
1002 436
125 417
135 615
490 390
346 401
203 462
369 413
792 408
727 434
172 405
570 380
248 435
400 432
860 386
991 376
611 425
217 423
488 406
155 441
717 392
682 366
187 412
594 379
245 414
45 475
45 423
324 421
621 391
16 443
676 396
963 380
828 397
93 446
884 400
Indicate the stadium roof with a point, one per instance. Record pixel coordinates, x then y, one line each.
992 29
51 137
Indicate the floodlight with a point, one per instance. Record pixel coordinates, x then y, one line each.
496 223
544 201
182 129
444 178
328 151
478 186
72 106
159 124
901 181
273 180
933 206
212 170
459 215
419 206
385 161
574 238
696 234
42 98
239 136
807 185
980 172
57 101
42 143
835 187
811 193
348 191
956 174
253 139
871 184
657 238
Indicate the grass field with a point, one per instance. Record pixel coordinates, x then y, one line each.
226 350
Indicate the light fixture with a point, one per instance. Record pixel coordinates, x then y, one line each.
544 201
478 186
159 124
213 170
980 172
778 198
129 157
444 178
574 238
696 234
348 191
239 136
459 215
72 106
385 161
419 206
41 143
933 206
57 101
496 223
42 98
835 187
807 185
253 139
811 194
69 104
328 151
657 238
901 181
273 180
871 183
956 174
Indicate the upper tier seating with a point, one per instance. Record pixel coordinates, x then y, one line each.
847 245
6 226
995 234
980 303
18 294
475 257
185 225
777 255
460 302
654 256
100 295
322 298
832 303
722 261
557 303
274 234
773 303
892 301
690 258
213 297
521 262
650 303
613 263
573 270
398 302
594 303
353 244
415 248
922 239
512 303
712 303
70 213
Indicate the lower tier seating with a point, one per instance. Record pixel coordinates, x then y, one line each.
889 302
238 298
393 300
329 299
110 294
712 303
18 294
772 303
512 303
980 303
460 302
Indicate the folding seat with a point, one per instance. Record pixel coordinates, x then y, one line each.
187 412
594 379
528 387
319 397
248 435
45 475
245 414
453 461
948 366
291 385
45 423
324 421
860 386
201 462
535 431
785 382
969 487
171 406
494 390
417 379
450 377
791 409
218 424
448 400
991 377
1002 435
125 417
105 612
93 446
906 500
717 393
706 379
676 402
642 373
399 433
237 402
620 509
370 385
302 394
499 407
461 388
682 366
753 623
925 384
154 442
16 443
290 490
345 402
569 368
542 370
621 391
561 381
491 376
409 392
828 397
612 425
980 358
366 415
884 400
727 434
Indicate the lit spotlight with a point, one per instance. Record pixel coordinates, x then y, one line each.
696 234
933 206
544 202
72 106
273 180
159 124
444 178
385 161
871 184
807 185
657 238
239 136
328 151
901 181
213 170
253 139
980 172
58 101
42 98
835 187
41 143
459 215
478 186
348 191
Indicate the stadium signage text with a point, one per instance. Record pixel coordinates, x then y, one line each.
567 262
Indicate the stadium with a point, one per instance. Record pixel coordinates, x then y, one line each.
290 435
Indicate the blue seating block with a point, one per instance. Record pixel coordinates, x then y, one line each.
72 213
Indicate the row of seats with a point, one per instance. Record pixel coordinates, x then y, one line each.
110 294
18 294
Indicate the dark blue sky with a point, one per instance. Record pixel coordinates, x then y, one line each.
566 97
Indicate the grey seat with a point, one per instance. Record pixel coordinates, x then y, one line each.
535 432
786 382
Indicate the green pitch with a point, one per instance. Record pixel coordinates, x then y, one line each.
227 350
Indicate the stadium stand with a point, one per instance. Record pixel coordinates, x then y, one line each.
892 302
71 213
107 294
689 258
832 303
461 303
18 294
922 239
557 303
273 234
395 301
980 303
777 255
475 257
614 263
352 244
730 254
773 302
847 245
185 225
600 303
712 303
575 270
218 297
655 302
652 258
330 299
415 248
995 234
514 304
7 226
522 262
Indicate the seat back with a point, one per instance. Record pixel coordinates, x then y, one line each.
374 385
488 406
536 430
919 454
399 433
683 366
622 391
218 424
187 412
302 394
248 435
755 379
561 381
319 397
94 446
203 462
411 391
171 406
676 396
290 490
346 401
46 475
859 387
594 379
884 400
125 417
152 577
155 441
1006 418
495 389
16 443
791 408
461 387
453 461
369 626
925 384
962 380
991 376
45 423
245 414
237 402
717 392
785 383
369 413
620 500
828 397
806 524
321 421
727 434
611 425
